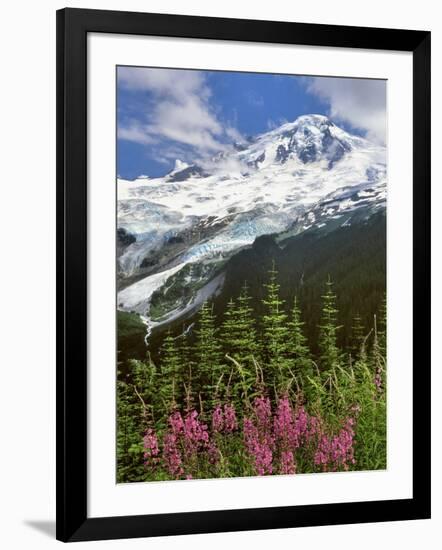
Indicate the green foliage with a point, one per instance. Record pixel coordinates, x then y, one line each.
275 334
131 332
382 328
243 355
207 354
330 355
129 449
357 336
238 331
171 375
299 350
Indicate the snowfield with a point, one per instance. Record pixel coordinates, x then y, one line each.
136 297
259 187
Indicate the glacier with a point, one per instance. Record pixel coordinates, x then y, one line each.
280 182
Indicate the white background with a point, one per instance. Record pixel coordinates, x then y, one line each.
27 229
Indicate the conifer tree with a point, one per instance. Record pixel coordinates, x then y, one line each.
170 372
329 351
275 333
247 330
132 418
207 353
229 329
185 352
357 336
238 329
299 350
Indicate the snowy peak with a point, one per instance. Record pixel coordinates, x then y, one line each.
310 138
187 224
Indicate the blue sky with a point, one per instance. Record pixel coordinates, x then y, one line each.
169 114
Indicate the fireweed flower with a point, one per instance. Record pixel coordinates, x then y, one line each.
217 419
195 433
291 431
213 452
224 419
150 444
230 421
259 449
171 445
176 422
288 465
185 438
378 380
172 456
314 428
258 436
337 451
286 430
301 423
263 412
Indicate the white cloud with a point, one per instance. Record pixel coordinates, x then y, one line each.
358 102
135 132
170 82
178 109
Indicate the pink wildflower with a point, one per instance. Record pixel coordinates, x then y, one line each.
217 419
230 421
150 444
195 433
287 463
213 452
258 436
263 412
314 428
182 442
302 422
176 422
224 420
336 451
285 428
378 380
172 455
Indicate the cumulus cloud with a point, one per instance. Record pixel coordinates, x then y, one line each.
134 132
359 102
178 110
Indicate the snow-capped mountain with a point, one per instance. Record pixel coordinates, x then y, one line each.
178 230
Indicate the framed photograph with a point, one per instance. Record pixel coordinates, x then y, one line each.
243 301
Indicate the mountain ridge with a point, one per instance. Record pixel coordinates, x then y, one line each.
185 226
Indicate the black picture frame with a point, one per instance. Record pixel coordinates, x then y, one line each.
73 25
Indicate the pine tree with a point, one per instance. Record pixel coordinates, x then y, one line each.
247 337
229 329
240 348
185 352
238 331
329 351
128 434
171 373
133 417
275 334
357 336
299 350
207 353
